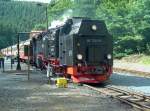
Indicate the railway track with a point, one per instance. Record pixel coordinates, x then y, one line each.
138 101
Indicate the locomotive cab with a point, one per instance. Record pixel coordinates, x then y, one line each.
86 49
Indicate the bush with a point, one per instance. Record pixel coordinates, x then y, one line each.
127 45
148 48
119 55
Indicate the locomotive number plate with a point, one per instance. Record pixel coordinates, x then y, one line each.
93 40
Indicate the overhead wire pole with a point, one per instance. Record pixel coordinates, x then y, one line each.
18 56
28 62
11 58
12 61
47 17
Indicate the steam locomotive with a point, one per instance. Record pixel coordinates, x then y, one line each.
81 49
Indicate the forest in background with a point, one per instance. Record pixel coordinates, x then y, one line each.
18 17
127 20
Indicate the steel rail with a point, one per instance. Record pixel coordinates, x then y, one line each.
135 100
132 93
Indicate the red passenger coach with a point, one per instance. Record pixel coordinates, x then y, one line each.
23 57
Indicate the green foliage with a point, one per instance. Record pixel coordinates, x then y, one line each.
127 20
18 17
129 23
39 27
148 48
119 55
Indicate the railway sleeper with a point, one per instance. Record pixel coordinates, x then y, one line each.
138 103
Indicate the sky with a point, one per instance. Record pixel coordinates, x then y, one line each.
43 1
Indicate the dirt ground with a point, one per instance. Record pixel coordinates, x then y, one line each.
19 94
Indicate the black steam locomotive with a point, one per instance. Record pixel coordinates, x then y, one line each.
81 48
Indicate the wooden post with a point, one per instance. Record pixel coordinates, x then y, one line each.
18 57
11 59
28 62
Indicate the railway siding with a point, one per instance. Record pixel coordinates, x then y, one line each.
136 100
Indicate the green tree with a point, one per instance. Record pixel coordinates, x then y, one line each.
16 17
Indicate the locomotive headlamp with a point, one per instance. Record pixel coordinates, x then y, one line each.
94 27
109 56
79 56
44 39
